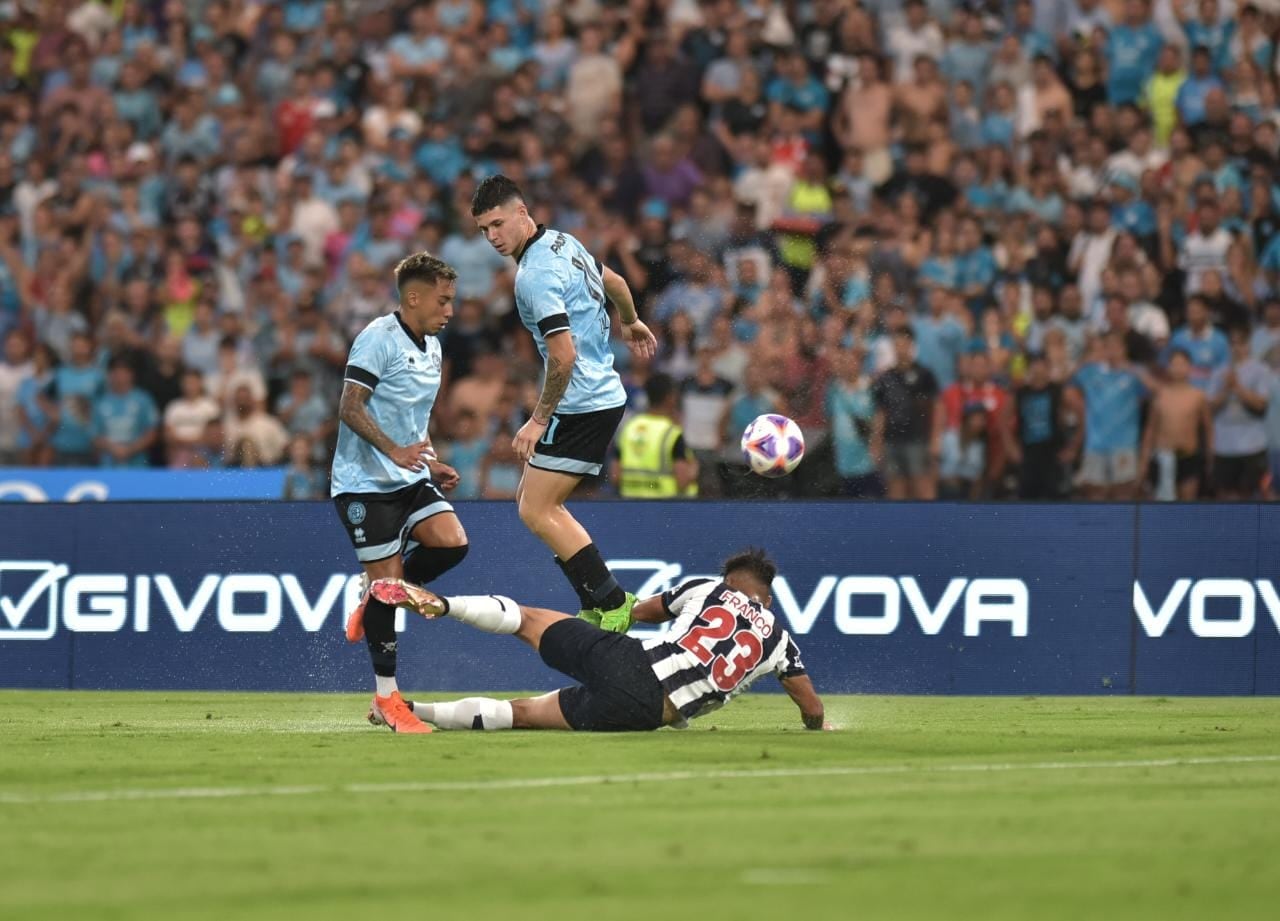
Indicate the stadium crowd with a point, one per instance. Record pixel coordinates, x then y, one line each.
983 249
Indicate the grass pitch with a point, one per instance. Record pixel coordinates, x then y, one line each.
221 806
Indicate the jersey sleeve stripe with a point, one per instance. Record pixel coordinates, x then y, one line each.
358 375
557 322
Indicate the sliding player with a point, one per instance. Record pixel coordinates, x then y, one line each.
724 638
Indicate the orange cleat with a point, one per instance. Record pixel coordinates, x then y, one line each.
402 594
395 714
355 623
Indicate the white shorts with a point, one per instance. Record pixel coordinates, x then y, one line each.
1113 469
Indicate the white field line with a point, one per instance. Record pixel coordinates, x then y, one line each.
18 798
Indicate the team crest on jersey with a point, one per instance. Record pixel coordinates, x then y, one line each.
356 512
434 361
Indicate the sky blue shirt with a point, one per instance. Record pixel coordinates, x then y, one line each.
1191 96
475 261
417 53
941 271
1112 408
466 457
1131 60
74 390
404 376
968 61
1214 36
560 286
1208 352
939 344
122 418
845 408
1238 432
808 96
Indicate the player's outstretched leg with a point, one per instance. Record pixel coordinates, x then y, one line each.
541 499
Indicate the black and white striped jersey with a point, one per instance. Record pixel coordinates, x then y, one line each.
721 641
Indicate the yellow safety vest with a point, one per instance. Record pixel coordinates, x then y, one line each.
1162 100
645 444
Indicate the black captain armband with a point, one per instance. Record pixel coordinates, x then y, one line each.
357 375
553 324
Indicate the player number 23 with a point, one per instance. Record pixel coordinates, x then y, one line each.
712 626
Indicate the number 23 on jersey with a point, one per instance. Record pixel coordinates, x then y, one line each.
713 626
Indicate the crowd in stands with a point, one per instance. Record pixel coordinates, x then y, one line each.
993 248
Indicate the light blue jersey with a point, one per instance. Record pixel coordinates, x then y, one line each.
404 375
559 286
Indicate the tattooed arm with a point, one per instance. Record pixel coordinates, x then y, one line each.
353 410
561 355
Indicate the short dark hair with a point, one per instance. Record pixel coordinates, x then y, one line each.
120 361
658 388
753 561
494 192
1180 352
425 268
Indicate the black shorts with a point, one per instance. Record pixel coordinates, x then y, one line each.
577 443
1240 474
619 691
1189 467
379 523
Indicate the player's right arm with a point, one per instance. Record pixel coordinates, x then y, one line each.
670 604
353 410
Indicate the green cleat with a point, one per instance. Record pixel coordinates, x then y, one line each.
591 616
619 620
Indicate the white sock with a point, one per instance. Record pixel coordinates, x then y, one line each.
462 714
386 685
490 613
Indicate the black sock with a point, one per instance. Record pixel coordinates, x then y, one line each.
584 600
380 634
586 569
426 564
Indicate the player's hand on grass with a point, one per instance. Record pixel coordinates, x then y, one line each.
412 457
444 476
639 339
527 438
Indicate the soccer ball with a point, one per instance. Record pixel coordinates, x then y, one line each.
773 445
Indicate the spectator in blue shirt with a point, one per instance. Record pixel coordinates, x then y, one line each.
420 52
124 419
969 56
1206 345
1041 200
1128 212
977 267
852 411
795 88
1194 91
1112 394
1210 30
73 390
1132 49
940 335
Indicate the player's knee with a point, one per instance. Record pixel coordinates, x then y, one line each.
427 564
532 512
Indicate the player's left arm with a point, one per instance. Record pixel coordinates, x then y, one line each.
800 689
637 336
796 682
